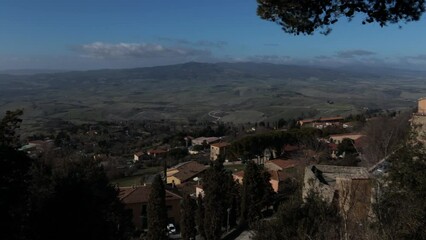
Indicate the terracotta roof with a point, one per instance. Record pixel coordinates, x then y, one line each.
330 118
187 170
321 119
208 140
123 192
307 120
221 144
284 163
141 195
239 174
139 153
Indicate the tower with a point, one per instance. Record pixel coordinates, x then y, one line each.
422 106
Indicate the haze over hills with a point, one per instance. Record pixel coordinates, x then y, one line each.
237 92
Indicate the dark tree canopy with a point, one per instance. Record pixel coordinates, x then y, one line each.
188 211
8 126
200 216
157 212
307 16
256 192
14 178
219 197
296 220
76 201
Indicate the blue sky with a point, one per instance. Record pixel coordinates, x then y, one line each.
89 34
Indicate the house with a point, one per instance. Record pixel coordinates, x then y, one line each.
280 164
349 187
338 138
184 172
217 149
276 181
205 140
136 200
157 152
137 156
421 106
238 176
321 122
36 147
199 190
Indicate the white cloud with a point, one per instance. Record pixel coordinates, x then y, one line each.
199 43
138 51
354 53
270 58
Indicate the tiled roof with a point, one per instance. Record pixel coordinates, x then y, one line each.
239 174
322 119
139 153
284 163
221 144
187 170
330 118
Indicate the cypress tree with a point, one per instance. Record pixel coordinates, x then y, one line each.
256 192
188 230
214 200
200 216
157 212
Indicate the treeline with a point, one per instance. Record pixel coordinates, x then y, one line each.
254 145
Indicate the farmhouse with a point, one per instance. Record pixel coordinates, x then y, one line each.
184 172
136 199
217 149
338 138
276 181
280 164
157 152
321 122
205 140
137 156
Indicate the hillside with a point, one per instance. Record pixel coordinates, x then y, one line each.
238 92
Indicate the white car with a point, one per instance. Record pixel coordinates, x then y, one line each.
171 228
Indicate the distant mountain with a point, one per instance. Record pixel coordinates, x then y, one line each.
30 71
209 71
381 71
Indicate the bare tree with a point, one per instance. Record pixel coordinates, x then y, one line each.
383 135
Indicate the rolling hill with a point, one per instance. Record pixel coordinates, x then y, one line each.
237 92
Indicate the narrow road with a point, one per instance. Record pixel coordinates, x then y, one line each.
213 115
